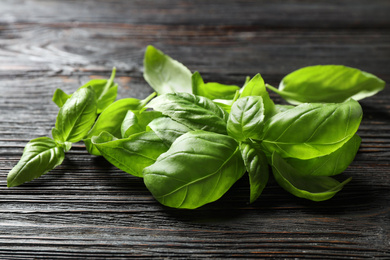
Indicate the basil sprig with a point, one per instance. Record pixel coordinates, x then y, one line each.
194 140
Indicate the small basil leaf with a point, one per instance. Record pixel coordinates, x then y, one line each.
136 122
330 164
312 130
164 74
246 118
195 112
198 169
60 97
328 83
168 129
212 90
76 116
110 120
39 156
132 154
256 164
226 104
256 87
316 188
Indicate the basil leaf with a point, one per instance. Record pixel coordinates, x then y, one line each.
282 108
312 130
212 90
256 164
164 74
105 92
198 169
132 154
330 164
168 130
226 104
60 97
195 112
246 118
39 156
316 188
328 83
110 121
137 122
256 87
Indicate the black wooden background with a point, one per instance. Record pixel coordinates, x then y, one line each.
87 208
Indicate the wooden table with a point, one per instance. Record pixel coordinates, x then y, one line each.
87 208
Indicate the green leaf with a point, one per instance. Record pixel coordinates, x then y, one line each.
168 130
212 90
198 169
195 112
131 154
256 164
164 74
328 165
328 83
39 156
316 188
256 87
60 97
105 92
110 120
226 104
282 108
76 116
137 122
246 118
312 130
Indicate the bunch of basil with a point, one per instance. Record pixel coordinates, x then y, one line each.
194 140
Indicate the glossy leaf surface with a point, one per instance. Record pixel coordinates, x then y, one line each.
312 130
198 169
246 118
316 188
39 156
168 130
164 74
328 83
195 112
212 90
131 154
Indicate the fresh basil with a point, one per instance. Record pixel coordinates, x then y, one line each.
195 112
137 122
312 130
328 83
76 116
131 154
39 156
197 169
316 188
246 118
164 74
212 90
60 97
168 129
257 167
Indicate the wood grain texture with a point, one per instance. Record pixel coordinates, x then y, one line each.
87 208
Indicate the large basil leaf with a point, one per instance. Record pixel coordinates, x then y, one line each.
105 92
76 116
256 164
246 118
198 169
39 156
168 129
212 90
137 122
316 188
110 121
328 83
131 154
256 87
312 130
330 164
164 74
195 112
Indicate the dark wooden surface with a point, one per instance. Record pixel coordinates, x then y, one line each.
88 209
